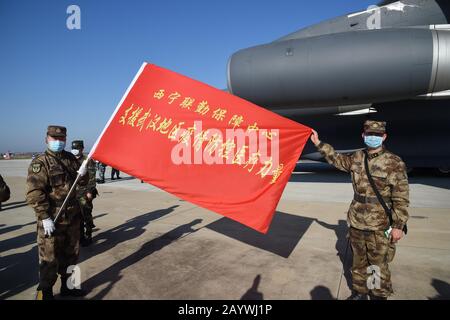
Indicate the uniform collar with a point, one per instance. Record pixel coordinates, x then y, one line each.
376 154
54 154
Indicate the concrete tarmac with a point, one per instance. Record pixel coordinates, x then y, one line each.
149 244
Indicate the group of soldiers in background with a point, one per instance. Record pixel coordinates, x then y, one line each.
101 167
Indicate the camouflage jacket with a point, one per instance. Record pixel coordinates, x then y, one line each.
90 186
5 193
49 182
389 174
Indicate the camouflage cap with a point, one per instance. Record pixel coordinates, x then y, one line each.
375 126
78 144
56 131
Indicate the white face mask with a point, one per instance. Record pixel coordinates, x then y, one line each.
75 152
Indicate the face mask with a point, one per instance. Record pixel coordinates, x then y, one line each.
56 145
75 152
373 141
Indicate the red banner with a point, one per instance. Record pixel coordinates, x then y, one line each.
203 145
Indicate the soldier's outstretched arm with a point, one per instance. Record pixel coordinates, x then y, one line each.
340 161
398 180
37 183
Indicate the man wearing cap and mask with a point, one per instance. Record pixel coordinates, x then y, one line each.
372 235
85 194
50 177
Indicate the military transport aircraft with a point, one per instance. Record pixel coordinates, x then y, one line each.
390 62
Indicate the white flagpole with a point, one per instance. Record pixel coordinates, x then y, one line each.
84 164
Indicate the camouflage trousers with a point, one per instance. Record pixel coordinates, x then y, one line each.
101 173
58 252
372 252
86 207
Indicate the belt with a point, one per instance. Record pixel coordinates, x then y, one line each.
372 200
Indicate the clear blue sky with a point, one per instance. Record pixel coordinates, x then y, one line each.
52 75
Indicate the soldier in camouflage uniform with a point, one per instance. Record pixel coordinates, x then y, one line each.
50 177
101 171
5 193
372 248
85 194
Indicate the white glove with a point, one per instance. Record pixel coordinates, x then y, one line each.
83 169
49 226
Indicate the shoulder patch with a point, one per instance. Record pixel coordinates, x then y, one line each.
36 167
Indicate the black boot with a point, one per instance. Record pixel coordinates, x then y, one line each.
82 235
374 297
358 296
87 239
46 294
66 292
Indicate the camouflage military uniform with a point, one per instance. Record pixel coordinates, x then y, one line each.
86 204
366 217
50 177
5 193
101 171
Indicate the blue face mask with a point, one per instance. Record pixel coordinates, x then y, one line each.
56 145
373 141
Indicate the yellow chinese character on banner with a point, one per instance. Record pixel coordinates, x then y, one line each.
264 171
199 139
240 155
277 173
213 144
159 94
252 160
202 108
186 135
236 121
219 114
269 135
124 117
164 126
253 127
174 131
227 148
140 123
134 115
153 122
173 96
187 103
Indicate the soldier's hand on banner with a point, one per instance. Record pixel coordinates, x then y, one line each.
49 226
315 138
83 169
